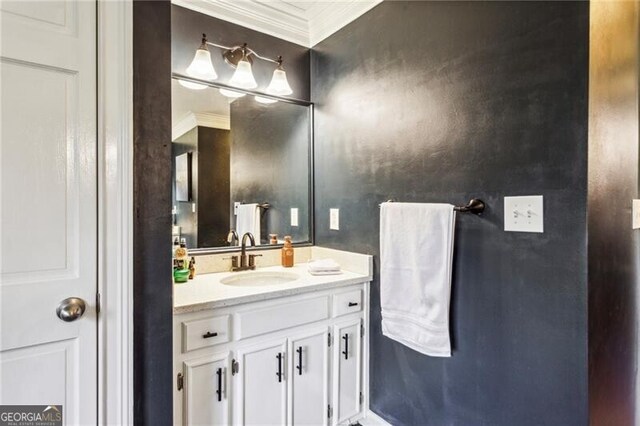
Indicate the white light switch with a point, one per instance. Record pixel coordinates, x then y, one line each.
236 204
524 214
294 216
635 211
334 219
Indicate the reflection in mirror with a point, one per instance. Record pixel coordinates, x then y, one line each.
240 164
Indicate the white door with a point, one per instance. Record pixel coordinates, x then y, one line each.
48 211
347 367
262 390
308 378
206 390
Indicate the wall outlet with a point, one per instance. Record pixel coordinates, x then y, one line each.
236 204
294 216
524 214
334 219
193 207
635 212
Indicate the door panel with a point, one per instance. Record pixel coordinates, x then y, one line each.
48 216
261 394
206 390
347 370
308 373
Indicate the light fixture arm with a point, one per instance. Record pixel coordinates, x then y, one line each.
249 51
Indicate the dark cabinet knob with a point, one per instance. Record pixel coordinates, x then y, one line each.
352 304
209 334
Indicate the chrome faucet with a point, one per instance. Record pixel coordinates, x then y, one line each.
247 262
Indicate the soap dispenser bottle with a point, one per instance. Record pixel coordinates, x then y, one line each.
287 253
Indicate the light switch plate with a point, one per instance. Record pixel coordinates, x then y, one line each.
334 219
236 204
294 216
524 214
635 211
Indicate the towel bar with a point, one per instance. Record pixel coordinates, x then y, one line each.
475 206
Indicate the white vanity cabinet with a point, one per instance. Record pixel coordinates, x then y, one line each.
293 360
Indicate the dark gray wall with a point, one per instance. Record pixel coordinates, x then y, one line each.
270 163
187 27
152 294
440 102
613 183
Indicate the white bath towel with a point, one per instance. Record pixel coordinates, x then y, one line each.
248 220
416 252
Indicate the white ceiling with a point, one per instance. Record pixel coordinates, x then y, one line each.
304 22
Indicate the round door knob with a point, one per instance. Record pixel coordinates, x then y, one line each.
71 308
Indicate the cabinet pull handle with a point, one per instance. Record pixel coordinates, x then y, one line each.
219 390
346 346
209 334
352 304
279 373
299 366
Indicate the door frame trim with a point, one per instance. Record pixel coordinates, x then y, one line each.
115 210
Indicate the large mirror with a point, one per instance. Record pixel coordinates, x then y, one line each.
240 164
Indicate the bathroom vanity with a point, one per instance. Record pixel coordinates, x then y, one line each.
273 346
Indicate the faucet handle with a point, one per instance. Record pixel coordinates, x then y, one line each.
252 260
234 261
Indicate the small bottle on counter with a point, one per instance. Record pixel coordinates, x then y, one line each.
192 268
273 238
287 253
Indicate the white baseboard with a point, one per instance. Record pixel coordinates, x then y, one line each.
372 419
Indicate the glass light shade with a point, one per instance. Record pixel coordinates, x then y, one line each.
231 93
201 66
279 85
192 86
243 77
264 100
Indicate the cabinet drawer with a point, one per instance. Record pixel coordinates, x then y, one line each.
278 317
346 303
205 332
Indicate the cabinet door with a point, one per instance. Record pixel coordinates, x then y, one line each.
262 384
309 378
347 367
206 399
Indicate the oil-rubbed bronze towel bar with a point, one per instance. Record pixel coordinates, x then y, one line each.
475 206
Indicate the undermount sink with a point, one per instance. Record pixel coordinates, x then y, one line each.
257 279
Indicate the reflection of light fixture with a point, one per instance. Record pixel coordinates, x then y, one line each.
279 85
241 58
231 93
193 86
264 100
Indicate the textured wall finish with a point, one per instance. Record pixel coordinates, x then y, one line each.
152 294
439 102
613 183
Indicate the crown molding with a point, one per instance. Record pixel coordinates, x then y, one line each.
202 119
254 15
305 26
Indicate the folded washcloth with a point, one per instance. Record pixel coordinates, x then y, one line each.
324 267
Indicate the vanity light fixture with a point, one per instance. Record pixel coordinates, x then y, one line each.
231 93
241 58
200 67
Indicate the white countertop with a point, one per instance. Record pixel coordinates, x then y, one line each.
206 291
